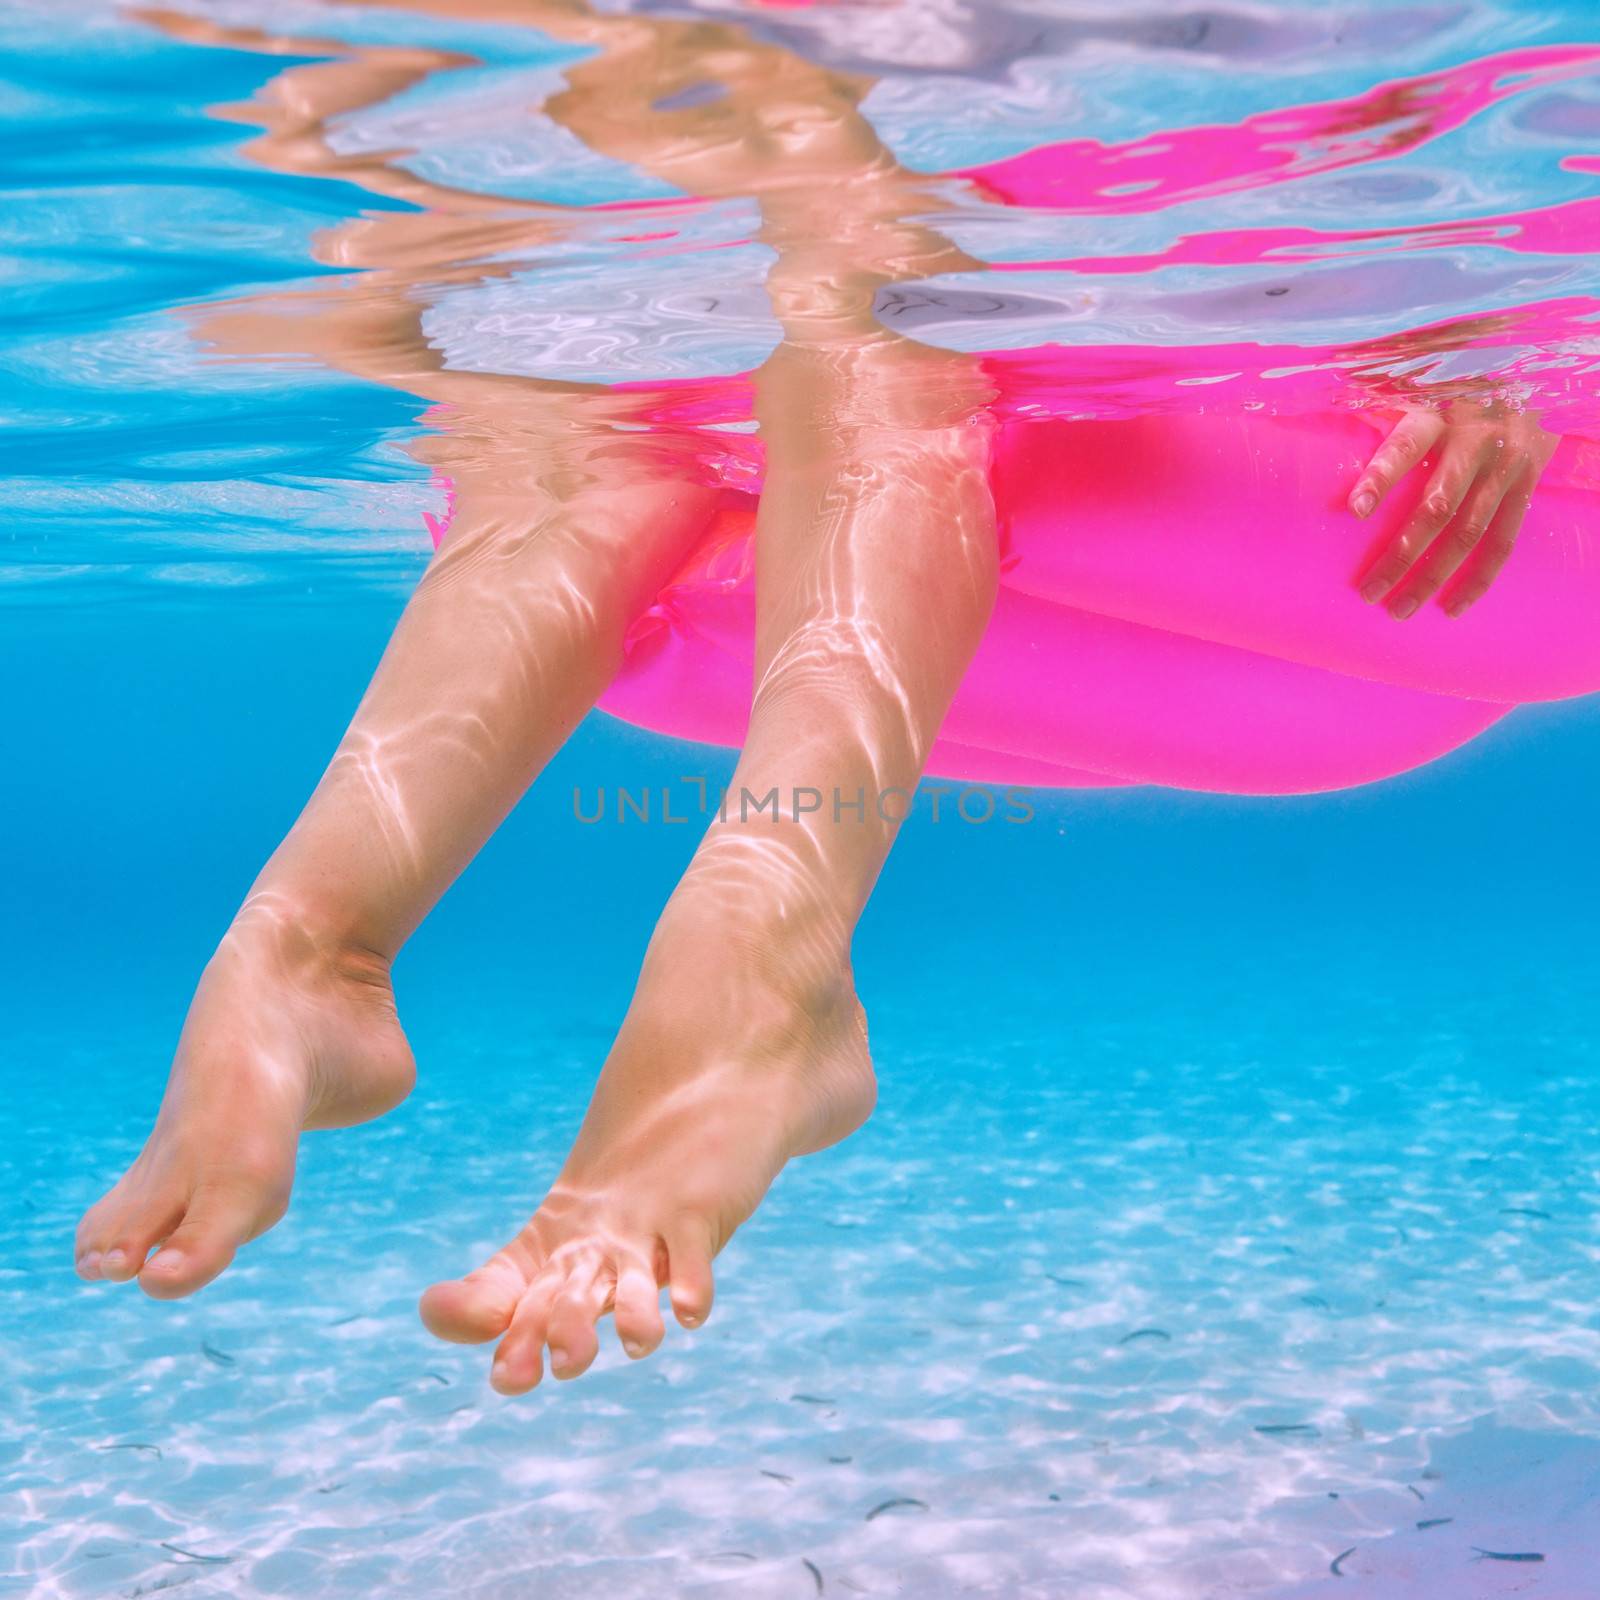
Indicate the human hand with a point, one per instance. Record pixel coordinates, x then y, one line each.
1488 459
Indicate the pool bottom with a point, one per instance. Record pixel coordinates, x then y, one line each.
1155 1309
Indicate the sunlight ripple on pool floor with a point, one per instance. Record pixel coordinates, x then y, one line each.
1162 1320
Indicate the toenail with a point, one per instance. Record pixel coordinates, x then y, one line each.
634 1348
114 1259
89 1263
500 1374
558 1358
165 1261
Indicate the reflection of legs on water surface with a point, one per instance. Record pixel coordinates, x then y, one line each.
745 1045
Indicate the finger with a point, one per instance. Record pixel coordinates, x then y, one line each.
1447 488
1409 441
1494 550
1451 550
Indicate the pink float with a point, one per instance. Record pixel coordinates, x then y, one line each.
1178 606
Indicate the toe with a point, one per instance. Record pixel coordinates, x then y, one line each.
121 1262
689 1252
519 1360
570 1333
133 1241
116 1235
638 1310
96 1228
480 1306
221 1216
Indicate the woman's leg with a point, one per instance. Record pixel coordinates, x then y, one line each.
513 633
566 526
745 1045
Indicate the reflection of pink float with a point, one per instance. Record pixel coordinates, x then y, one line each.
1177 601
1178 606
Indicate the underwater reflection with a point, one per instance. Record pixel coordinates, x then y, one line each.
764 113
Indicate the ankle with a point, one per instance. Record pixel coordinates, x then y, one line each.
290 934
787 959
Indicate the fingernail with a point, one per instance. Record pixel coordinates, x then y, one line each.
1364 503
558 1359
1372 590
1402 609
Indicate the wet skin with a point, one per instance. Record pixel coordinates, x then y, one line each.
1488 458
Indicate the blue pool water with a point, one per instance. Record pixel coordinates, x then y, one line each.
1229 1212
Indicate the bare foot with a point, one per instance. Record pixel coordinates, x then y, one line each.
283 1034
718 1077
